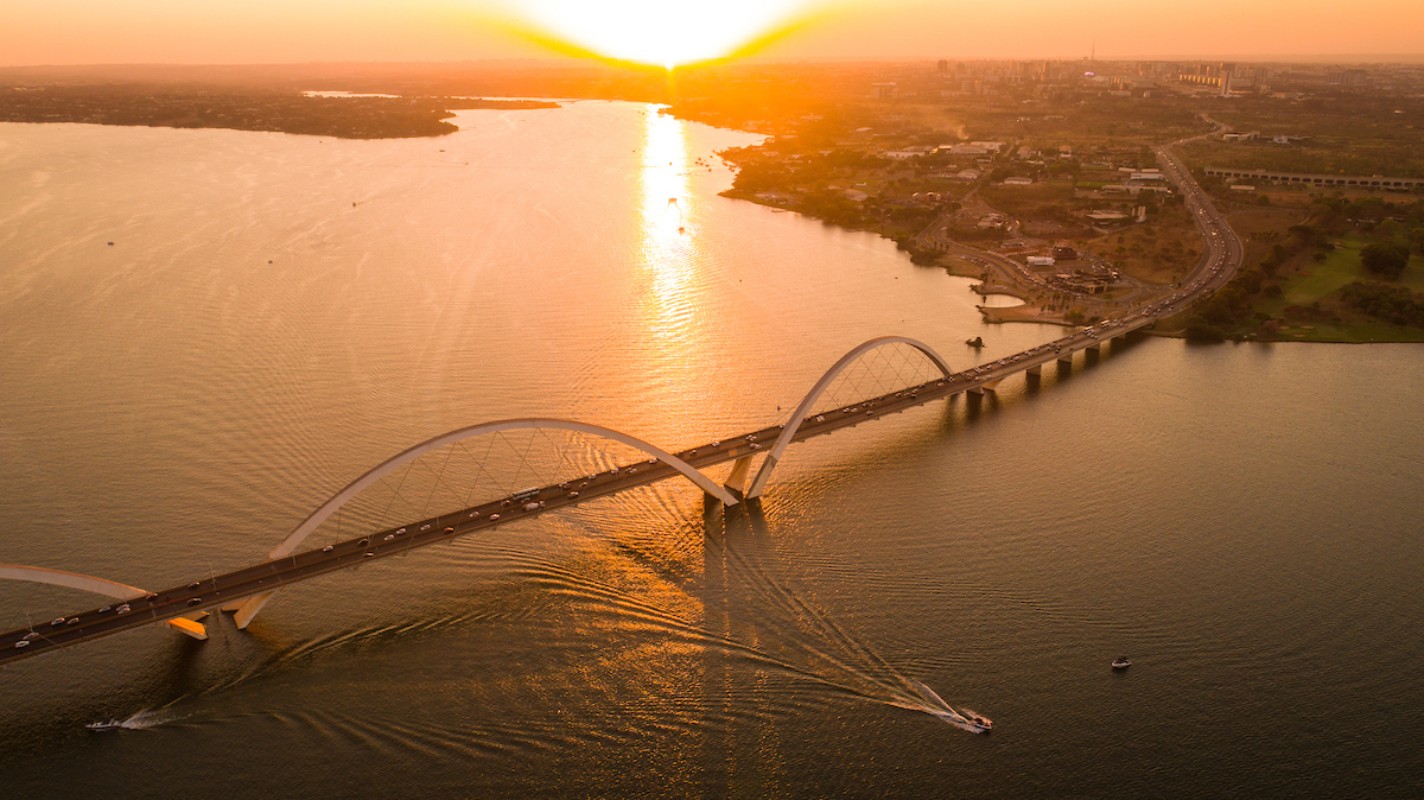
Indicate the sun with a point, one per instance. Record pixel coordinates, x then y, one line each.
662 33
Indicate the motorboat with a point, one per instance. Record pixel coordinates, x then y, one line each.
1121 662
111 725
978 722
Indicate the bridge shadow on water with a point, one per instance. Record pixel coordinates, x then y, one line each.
745 599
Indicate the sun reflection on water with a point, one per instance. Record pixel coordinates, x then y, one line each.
668 242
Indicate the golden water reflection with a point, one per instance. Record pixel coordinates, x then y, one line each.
668 243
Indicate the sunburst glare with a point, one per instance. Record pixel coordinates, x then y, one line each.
657 32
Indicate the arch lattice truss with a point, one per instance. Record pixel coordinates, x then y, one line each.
793 423
247 609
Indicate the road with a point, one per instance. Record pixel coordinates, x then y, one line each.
1221 257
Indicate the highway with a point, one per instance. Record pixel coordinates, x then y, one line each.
1220 260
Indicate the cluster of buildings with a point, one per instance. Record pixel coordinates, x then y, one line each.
1142 78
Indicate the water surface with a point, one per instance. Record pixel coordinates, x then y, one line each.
277 313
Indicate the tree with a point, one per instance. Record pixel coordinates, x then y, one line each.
1199 330
1388 260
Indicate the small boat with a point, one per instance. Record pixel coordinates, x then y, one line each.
1121 662
976 343
977 721
111 725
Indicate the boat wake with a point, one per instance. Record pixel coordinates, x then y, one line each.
934 705
141 721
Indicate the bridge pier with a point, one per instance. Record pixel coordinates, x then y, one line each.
190 626
987 386
1065 359
1035 371
247 609
737 481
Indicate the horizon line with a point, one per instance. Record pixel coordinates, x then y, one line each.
1294 58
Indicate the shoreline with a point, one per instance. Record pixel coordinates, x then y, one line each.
1027 313
298 113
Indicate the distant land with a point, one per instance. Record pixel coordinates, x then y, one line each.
347 117
1036 177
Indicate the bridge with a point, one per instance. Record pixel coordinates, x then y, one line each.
754 456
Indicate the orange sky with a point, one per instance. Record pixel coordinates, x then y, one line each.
266 31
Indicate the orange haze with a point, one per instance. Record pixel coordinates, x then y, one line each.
675 31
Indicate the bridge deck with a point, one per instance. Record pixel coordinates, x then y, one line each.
206 594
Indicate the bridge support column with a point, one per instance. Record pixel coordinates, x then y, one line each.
1095 348
1066 359
247 609
1035 371
987 386
737 481
190 627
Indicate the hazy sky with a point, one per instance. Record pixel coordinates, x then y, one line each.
253 31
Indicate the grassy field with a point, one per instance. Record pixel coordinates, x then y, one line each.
1316 283
1341 268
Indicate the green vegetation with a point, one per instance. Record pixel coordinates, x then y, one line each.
1393 304
1387 259
1333 132
1311 285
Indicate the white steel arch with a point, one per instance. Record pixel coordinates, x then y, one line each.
90 583
247 609
793 423
388 466
70 580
